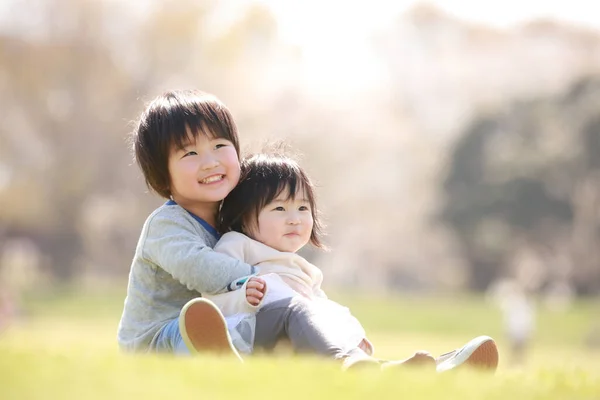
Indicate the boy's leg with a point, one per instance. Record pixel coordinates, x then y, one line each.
480 352
169 340
203 329
199 317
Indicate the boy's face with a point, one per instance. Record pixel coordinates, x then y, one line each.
285 225
202 173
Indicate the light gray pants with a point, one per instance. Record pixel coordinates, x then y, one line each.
309 329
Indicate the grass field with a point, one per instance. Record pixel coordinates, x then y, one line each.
64 348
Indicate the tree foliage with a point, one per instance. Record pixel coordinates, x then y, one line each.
530 173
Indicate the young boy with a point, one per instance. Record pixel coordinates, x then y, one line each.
186 144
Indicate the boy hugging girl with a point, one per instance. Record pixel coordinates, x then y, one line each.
216 267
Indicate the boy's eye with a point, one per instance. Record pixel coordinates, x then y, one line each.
220 143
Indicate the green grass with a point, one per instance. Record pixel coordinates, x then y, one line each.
64 348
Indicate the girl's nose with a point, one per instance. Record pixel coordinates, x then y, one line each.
293 219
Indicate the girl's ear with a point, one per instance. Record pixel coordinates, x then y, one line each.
246 229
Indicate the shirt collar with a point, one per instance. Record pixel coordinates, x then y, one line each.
202 222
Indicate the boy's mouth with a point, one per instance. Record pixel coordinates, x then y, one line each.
212 179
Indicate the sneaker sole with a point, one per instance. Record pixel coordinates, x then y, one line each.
203 329
485 356
480 353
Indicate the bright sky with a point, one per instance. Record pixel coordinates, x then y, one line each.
307 21
317 26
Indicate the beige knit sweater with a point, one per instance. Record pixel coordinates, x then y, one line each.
286 274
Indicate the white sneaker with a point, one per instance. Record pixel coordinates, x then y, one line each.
204 330
480 353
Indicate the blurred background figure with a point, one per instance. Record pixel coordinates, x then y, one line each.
518 313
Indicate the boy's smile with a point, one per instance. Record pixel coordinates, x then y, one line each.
202 173
212 179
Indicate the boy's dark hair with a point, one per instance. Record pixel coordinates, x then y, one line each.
167 122
263 178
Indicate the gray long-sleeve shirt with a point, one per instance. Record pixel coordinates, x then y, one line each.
173 263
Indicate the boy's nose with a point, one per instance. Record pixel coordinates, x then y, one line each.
209 162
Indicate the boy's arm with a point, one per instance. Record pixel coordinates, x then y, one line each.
173 243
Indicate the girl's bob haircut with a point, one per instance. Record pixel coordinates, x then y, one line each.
263 178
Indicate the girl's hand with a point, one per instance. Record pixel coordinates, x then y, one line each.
255 290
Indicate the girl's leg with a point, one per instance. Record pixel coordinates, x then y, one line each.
308 329
419 359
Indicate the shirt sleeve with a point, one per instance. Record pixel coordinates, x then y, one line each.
175 246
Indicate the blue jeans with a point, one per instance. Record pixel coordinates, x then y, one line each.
169 340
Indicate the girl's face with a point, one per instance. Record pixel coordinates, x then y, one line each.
202 173
285 224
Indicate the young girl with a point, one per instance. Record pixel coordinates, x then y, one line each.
268 217
274 204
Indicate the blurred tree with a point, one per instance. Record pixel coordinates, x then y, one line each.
530 174
65 105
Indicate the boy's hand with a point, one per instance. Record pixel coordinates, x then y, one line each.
255 290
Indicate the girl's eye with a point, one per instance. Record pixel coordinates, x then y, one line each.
190 153
279 208
303 208
220 145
